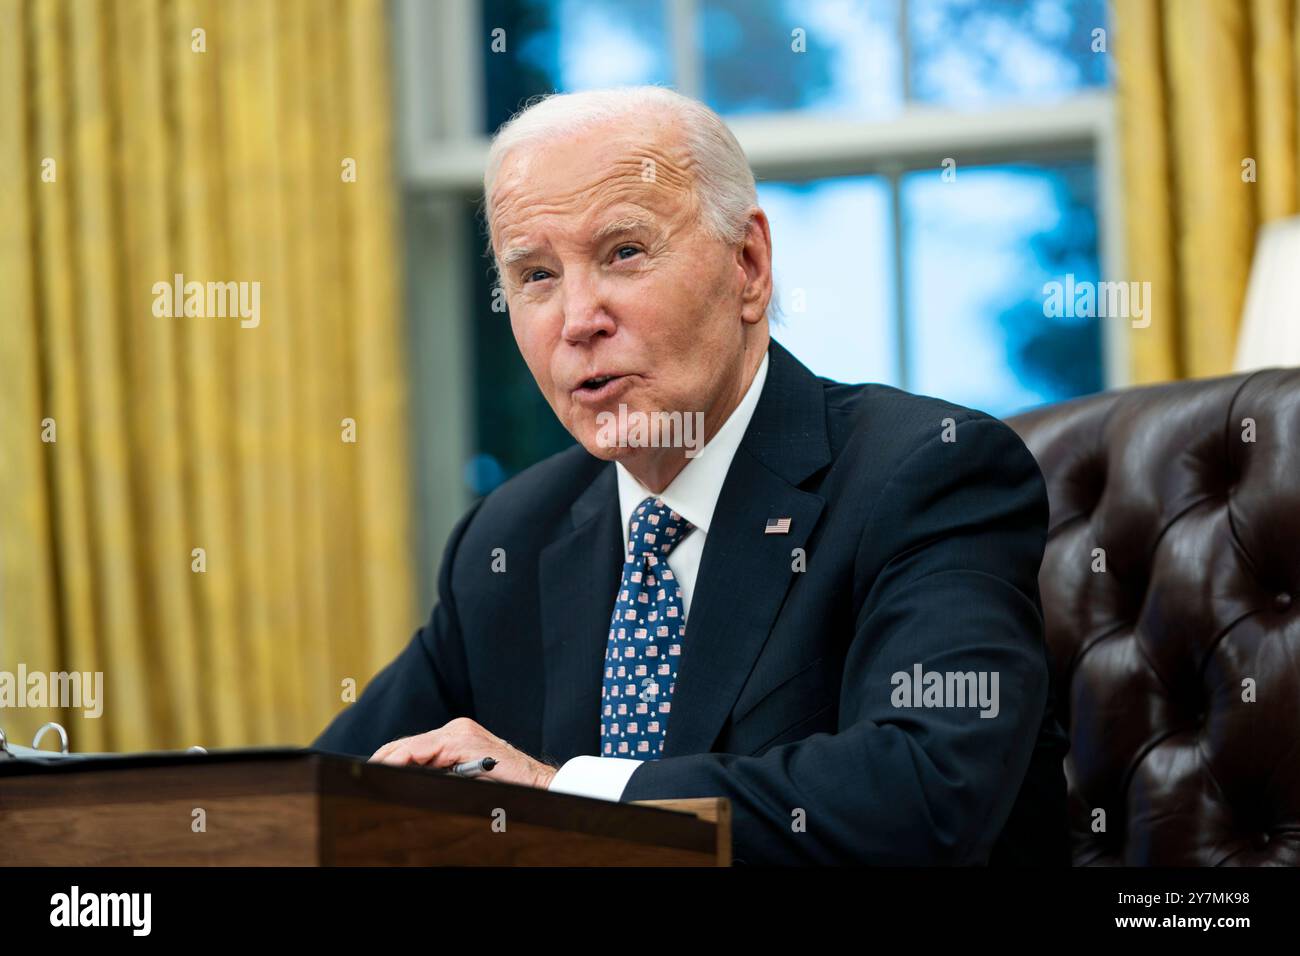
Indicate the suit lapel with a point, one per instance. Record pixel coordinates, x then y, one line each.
743 578
579 575
744 573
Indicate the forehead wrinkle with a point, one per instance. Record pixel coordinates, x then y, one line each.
621 182
627 223
669 171
672 175
645 216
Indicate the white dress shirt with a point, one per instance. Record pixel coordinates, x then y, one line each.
693 494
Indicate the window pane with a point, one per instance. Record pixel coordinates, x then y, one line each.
831 241
568 45
966 53
850 62
514 426
977 253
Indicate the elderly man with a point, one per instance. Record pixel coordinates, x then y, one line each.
829 614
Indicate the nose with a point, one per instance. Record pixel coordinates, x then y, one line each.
585 316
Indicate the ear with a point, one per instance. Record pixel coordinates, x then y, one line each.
754 256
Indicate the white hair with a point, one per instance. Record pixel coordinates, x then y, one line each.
723 182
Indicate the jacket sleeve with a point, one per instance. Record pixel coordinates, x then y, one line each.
424 687
945 578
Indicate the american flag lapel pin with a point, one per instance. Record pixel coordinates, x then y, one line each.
777 526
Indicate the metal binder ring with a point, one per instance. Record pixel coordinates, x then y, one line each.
63 736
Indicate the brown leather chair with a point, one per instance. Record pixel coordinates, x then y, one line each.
1178 665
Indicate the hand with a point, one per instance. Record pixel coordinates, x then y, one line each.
461 741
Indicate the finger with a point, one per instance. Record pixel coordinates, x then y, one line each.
423 750
398 757
439 749
387 748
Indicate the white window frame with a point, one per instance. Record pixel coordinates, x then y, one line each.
444 149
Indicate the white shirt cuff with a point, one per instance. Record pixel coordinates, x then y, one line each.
602 778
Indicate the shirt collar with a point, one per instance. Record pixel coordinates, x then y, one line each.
694 493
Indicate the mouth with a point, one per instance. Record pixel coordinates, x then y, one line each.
601 388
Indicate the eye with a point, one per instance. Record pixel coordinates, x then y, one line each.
618 253
533 275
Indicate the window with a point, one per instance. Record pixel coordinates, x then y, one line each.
928 165
968 55
840 321
859 78
570 45
1003 232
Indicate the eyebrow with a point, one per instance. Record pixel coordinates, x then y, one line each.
514 254
626 224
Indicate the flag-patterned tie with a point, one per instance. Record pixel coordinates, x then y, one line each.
645 638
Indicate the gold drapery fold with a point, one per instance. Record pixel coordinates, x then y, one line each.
1208 93
199 530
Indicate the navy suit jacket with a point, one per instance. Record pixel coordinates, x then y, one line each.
917 529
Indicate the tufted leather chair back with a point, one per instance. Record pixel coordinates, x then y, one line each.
1171 595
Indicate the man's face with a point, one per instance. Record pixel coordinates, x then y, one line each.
617 294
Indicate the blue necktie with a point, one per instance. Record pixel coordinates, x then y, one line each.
645 638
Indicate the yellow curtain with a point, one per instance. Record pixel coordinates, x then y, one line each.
1208 94
211 513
